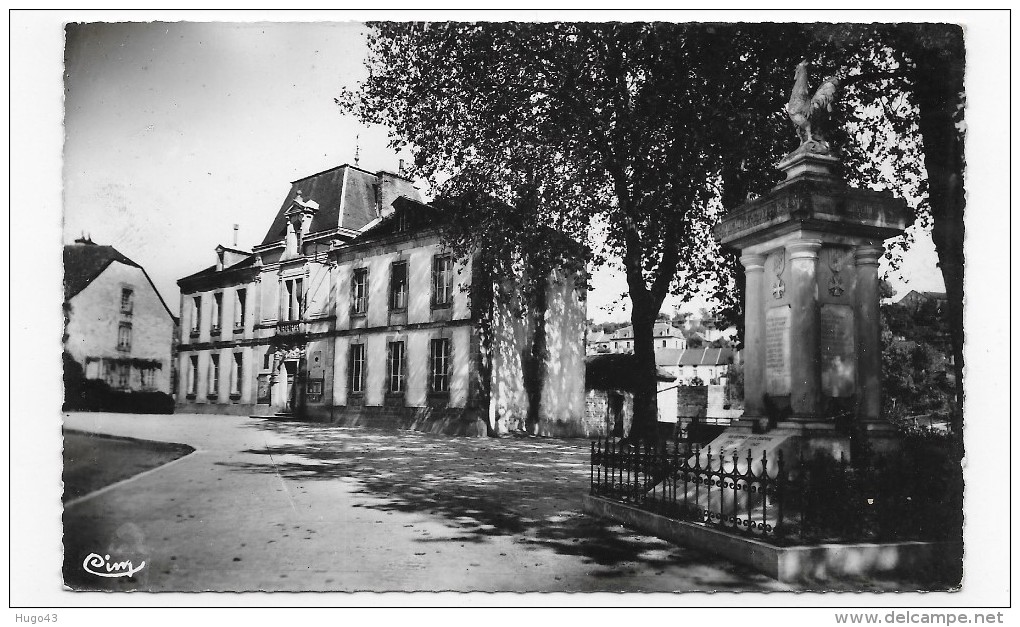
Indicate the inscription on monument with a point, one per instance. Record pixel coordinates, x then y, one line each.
838 350
777 351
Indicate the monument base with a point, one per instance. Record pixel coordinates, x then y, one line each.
802 437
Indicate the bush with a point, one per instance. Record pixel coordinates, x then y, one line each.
81 394
915 494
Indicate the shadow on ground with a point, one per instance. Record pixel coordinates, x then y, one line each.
526 488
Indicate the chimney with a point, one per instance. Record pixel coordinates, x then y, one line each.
236 227
400 168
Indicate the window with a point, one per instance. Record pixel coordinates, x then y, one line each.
664 343
293 296
398 285
442 280
124 376
127 300
265 360
239 308
196 314
108 369
359 291
439 365
148 378
214 375
356 370
395 367
401 221
217 312
193 376
238 372
124 337
314 391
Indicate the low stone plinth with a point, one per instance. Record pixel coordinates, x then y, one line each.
790 564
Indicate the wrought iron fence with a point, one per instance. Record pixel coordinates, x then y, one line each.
783 501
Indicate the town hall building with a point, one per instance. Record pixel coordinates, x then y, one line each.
352 311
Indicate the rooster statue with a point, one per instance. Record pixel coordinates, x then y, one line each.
810 113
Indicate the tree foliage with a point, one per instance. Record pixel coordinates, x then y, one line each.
629 130
917 373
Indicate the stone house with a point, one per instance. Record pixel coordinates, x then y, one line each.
351 311
117 326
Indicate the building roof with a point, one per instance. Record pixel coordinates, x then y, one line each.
346 196
615 371
417 215
597 336
668 356
915 295
706 357
211 270
84 261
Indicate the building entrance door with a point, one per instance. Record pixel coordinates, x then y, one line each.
291 368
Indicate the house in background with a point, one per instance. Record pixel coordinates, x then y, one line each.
118 328
351 311
709 365
664 335
597 342
700 390
914 299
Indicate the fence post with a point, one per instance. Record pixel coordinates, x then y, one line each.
778 492
708 495
697 479
747 491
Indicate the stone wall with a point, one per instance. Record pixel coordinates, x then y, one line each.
692 401
597 420
706 401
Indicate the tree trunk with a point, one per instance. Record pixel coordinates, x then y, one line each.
939 84
535 369
483 310
645 427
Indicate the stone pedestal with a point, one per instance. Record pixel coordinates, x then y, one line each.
810 250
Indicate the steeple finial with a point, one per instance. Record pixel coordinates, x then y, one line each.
357 148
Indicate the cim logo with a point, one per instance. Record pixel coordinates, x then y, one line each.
101 566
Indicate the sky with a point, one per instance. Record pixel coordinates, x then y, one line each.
176 131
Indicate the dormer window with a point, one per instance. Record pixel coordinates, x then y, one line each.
401 222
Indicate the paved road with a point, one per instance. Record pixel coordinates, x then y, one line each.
264 505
